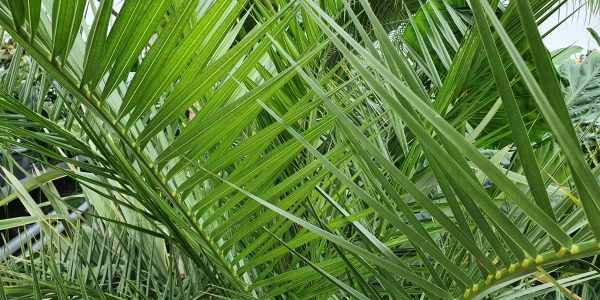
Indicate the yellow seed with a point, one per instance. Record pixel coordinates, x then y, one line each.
489 279
475 288
88 94
78 85
173 194
525 263
163 180
512 268
150 165
138 150
467 293
113 122
539 259
574 249
561 252
498 275
122 131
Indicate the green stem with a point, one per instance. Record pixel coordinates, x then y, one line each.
528 266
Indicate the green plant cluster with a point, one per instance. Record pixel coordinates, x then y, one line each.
296 149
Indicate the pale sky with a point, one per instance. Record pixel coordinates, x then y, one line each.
573 30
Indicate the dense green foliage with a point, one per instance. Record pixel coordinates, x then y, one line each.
297 149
